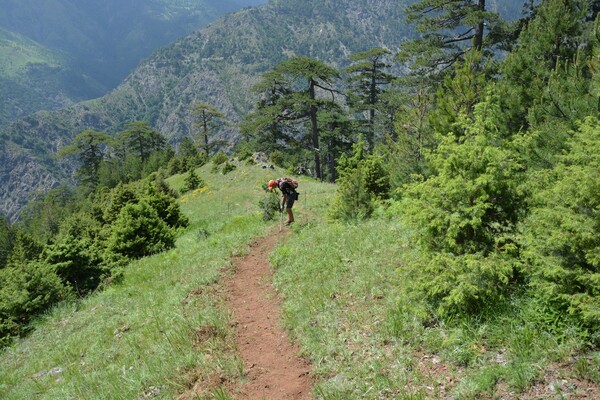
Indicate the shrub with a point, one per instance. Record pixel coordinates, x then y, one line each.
277 158
192 181
77 255
363 180
166 207
562 235
139 231
118 198
228 167
24 249
175 166
270 205
25 291
219 158
465 217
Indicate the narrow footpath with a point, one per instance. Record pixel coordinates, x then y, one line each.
274 371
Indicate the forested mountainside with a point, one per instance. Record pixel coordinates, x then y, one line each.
34 77
55 53
216 65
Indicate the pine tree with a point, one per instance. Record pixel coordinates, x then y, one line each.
366 77
292 94
550 41
90 148
450 29
209 120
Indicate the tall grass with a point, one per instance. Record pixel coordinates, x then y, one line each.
348 301
160 331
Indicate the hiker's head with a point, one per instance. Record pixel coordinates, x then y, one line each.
272 184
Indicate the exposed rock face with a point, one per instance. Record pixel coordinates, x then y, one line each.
17 182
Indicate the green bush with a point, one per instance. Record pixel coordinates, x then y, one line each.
270 205
139 231
219 158
277 158
465 217
228 167
25 291
77 254
562 235
192 181
363 180
24 249
118 198
167 208
176 166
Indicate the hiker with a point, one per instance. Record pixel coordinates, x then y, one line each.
288 190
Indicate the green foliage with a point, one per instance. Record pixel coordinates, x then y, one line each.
209 121
449 29
42 217
26 290
363 180
289 100
138 231
466 214
277 158
459 93
118 198
187 148
219 158
6 240
166 205
562 235
548 40
192 181
466 284
228 167
270 205
89 147
367 75
24 249
77 253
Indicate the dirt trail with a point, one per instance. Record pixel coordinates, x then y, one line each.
274 370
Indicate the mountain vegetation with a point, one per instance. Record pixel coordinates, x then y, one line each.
454 251
217 65
57 53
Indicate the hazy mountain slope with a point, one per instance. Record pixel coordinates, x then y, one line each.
217 64
33 77
98 42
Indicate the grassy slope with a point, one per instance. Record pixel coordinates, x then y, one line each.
347 301
16 52
164 329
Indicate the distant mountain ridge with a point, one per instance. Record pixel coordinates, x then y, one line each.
94 45
217 64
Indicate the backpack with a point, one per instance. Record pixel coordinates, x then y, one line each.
292 182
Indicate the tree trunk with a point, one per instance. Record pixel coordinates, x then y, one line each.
372 100
478 39
314 129
205 127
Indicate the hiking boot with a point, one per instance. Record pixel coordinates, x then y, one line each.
288 223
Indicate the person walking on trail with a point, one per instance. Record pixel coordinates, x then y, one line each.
288 190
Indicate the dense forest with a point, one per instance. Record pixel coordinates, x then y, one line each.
488 148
